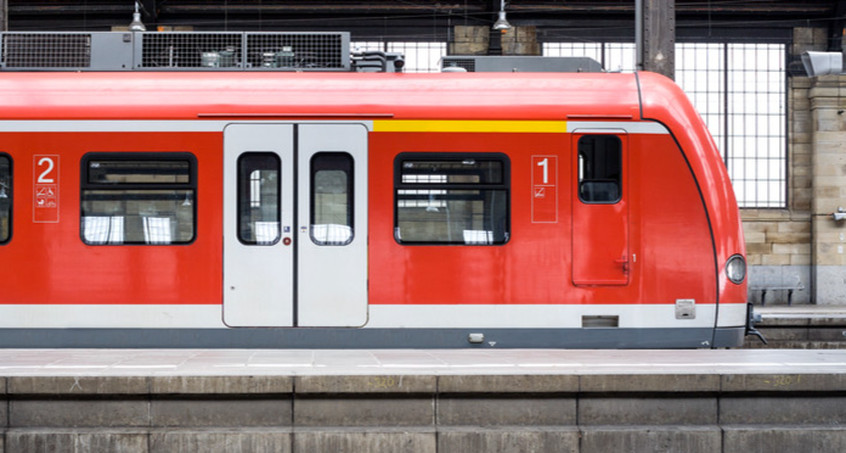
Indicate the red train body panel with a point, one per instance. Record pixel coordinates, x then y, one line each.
646 258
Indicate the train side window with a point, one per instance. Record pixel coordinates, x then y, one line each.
5 198
332 198
600 169
452 198
258 198
138 198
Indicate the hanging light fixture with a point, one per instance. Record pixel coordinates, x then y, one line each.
501 22
136 24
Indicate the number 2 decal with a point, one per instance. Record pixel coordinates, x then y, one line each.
42 178
45 188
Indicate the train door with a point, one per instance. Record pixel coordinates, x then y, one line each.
332 218
295 225
600 209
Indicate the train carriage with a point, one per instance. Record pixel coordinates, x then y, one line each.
347 210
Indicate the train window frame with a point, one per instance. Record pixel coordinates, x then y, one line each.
245 193
464 191
7 193
188 188
582 180
334 161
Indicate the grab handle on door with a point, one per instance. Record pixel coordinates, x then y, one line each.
625 262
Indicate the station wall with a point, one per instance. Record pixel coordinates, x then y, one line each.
802 247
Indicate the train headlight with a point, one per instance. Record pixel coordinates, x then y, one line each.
736 269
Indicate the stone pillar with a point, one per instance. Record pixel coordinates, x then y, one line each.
808 38
476 40
827 96
800 147
469 40
520 41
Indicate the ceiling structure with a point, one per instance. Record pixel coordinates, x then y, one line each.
427 20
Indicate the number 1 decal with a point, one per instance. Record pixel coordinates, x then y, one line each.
545 164
45 190
545 189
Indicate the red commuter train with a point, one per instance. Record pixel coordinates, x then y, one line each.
344 210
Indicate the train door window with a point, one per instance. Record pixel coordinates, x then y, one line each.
5 198
331 198
138 198
258 198
452 198
600 169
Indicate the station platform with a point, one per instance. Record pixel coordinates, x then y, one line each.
135 400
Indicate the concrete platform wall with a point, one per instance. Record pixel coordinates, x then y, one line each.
425 413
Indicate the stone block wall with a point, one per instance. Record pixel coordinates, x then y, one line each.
476 40
587 413
521 41
469 40
802 245
809 38
778 241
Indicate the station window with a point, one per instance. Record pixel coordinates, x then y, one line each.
138 198
600 169
452 198
331 198
5 199
258 198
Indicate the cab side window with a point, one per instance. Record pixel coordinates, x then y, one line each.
5 198
600 169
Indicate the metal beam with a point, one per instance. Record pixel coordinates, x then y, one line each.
835 28
410 19
656 49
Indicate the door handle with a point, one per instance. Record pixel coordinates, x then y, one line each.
625 262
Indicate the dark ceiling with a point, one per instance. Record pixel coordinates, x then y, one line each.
753 20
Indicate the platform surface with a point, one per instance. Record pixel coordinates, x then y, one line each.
217 362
